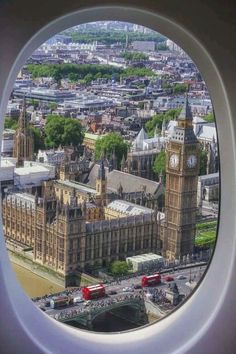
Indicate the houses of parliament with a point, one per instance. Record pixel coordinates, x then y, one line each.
73 227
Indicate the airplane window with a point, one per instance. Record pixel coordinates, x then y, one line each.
110 176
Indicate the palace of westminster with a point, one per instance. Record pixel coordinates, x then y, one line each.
72 226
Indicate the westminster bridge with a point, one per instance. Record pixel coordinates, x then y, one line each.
130 307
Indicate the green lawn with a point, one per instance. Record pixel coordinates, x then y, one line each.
206 234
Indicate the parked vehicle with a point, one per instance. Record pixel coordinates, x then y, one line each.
150 280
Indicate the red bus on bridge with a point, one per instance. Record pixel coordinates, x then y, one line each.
93 291
150 280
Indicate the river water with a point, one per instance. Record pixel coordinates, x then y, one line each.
33 284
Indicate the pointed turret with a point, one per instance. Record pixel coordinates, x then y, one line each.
122 164
101 172
23 141
138 142
163 128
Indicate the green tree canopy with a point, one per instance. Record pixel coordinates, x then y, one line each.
209 118
63 131
136 56
159 166
203 162
157 120
37 137
180 88
113 36
112 142
10 123
119 268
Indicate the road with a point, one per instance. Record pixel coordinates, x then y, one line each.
186 279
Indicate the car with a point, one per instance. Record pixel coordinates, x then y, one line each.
111 292
137 286
78 299
181 277
87 303
127 289
168 278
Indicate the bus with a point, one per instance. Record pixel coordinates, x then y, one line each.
93 292
60 301
150 280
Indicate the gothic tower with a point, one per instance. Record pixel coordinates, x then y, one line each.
101 183
182 166
23 141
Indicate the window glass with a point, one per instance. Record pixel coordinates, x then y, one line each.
110 176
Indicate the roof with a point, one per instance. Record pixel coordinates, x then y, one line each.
207 132
78 186
30 169
130 183
128 208
91 136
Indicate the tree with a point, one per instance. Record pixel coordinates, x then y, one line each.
209 118
180 88
135 56
112 142
10 123
203 162
159 166
157 120
37 137
119 268
63 131
52 106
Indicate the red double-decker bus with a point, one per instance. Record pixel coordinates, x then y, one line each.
93 291
149 280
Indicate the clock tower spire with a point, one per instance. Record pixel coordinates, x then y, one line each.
182 166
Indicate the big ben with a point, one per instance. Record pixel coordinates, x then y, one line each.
182 166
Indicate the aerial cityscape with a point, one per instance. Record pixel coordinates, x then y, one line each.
110 176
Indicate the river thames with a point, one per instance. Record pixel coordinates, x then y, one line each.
33 284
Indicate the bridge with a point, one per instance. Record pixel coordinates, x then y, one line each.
86 315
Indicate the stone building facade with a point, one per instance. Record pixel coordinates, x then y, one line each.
68 236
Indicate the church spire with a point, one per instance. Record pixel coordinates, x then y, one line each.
22 119
23 141
101 172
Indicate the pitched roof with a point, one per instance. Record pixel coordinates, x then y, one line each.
131 183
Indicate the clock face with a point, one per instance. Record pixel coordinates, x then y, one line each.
174 160
191 161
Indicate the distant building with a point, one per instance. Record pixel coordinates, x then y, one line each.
141 157
7 142
144 46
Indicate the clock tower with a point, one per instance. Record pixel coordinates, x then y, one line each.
182 167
